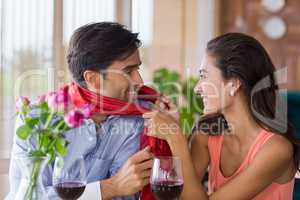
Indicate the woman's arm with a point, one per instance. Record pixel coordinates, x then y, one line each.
268 165
199 153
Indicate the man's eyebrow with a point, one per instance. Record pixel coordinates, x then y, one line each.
132 66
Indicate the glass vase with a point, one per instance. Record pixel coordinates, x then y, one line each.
31 186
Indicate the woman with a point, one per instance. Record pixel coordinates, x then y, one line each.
257 156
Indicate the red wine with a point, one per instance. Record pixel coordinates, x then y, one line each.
166 190
69 190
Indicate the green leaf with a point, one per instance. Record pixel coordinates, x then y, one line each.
45 141
44 107
24 132
60 147
31 122
44 117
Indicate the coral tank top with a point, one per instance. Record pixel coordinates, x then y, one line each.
216 179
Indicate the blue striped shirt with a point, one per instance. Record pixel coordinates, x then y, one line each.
104 150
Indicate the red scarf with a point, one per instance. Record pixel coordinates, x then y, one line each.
106 105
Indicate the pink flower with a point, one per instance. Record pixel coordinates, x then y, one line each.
21 102
51 99
58 100
41 99
74 118
87 110
62 97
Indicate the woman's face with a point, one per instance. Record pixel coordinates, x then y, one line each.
213 89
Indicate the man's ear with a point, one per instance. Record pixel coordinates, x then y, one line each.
92 79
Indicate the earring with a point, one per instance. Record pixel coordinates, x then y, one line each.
231 93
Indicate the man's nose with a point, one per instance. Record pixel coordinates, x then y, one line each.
136 78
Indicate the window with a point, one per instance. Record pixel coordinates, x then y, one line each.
35 35
29 37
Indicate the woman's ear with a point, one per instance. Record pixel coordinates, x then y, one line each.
234 86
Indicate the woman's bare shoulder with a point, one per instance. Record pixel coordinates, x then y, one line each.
279 144
278 150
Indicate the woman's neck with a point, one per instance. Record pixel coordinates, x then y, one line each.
241 123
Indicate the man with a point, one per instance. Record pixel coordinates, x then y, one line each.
103 59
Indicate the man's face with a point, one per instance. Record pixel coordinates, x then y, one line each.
121 80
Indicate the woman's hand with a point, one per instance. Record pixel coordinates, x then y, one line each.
165 104
161 124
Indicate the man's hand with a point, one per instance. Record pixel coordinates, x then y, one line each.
131 178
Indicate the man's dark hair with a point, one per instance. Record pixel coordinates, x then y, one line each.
96 46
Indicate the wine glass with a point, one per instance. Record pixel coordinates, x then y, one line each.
166 178
69 178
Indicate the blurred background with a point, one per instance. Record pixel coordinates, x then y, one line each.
35 35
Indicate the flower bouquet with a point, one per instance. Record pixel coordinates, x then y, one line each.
44 125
